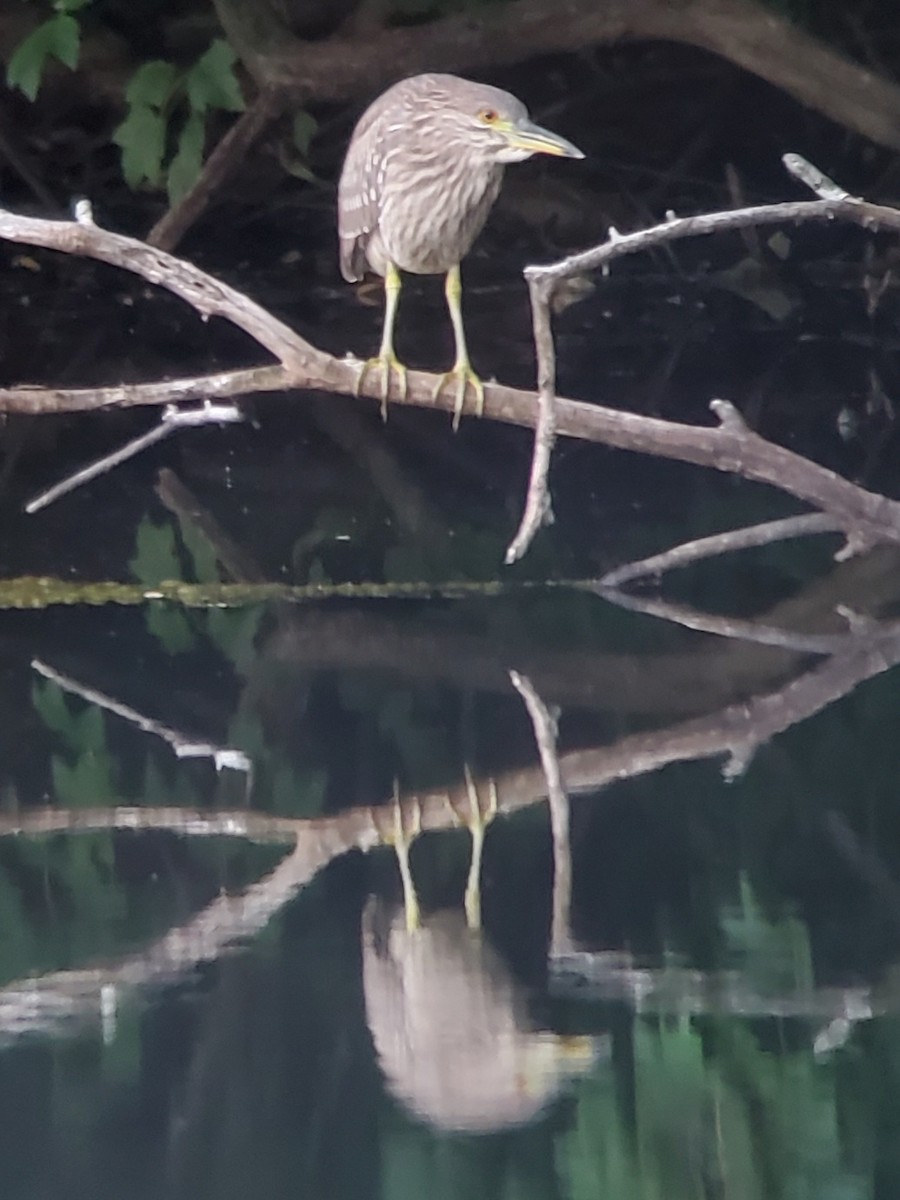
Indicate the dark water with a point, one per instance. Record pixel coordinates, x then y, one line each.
207 983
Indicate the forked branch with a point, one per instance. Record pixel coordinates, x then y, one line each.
864 517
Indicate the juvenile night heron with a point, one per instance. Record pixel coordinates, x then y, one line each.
449 1022
423 169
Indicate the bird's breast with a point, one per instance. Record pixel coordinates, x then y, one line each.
431 216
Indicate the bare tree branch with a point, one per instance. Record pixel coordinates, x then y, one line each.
749 34
864 517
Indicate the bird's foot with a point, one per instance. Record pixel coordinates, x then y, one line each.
389 365
402 837
463 377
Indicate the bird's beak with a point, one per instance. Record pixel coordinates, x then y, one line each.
525 135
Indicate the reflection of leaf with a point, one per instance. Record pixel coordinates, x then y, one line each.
89 730
171 627
204 563
774 953
234 632
49 701
297 792
82 729
155 556
84 784
18 941
156 559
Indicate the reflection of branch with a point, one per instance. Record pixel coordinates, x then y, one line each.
604 976
184 747
545 735
680 682
720 543
56 1002
53 1001
729 627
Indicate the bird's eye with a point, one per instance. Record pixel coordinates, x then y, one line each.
489 116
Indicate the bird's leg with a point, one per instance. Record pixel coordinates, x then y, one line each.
402 841
386 360
478 823
462 373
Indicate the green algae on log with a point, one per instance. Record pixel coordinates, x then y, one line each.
47 591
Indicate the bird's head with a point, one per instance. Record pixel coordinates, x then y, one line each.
493 125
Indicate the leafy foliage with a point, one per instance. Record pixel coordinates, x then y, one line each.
58 37
163 136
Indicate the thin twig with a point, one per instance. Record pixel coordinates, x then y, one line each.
538 509
739 629
857 212
171 420
817 181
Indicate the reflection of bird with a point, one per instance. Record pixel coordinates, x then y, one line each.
423 169
447 1018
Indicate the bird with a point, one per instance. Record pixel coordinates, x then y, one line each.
449 1022
422 171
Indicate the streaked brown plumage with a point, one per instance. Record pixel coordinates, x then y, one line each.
423 169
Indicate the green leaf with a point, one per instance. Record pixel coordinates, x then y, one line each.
64 35
142 138
59 38
211 81
185 166
71 6
152 84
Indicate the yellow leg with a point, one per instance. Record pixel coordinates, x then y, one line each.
478 823
386 360
402 840
461 374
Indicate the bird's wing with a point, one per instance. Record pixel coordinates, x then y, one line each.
359 196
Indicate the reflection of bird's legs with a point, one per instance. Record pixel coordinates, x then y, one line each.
477 823
461 373
386 360
402 840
